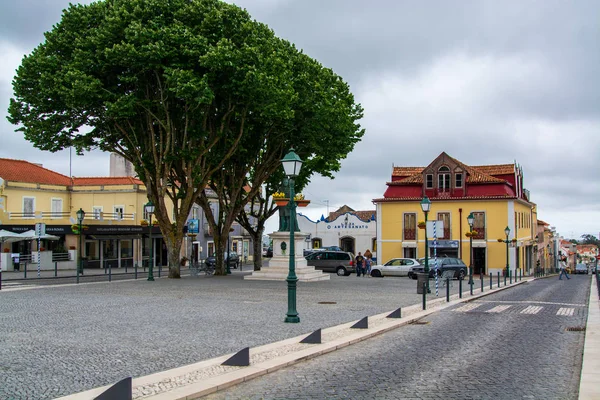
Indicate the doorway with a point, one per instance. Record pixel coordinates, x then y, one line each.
347 244
479 260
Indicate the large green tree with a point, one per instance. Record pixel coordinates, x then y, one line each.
172 86
320 122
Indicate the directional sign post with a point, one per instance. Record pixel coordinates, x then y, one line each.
40 229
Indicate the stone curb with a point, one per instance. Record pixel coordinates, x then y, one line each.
342 334
589 385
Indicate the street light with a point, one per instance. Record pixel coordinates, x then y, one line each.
470 220
291 165
80 216
426 206
506 232
149 208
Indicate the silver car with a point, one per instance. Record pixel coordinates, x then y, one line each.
394 267
340 262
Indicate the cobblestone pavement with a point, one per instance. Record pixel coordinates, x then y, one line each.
464 352
65 339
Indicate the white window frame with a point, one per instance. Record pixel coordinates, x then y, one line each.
427 185
459 174
33 207
97 212
52 211
119 209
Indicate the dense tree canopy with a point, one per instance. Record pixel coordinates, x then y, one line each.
188 91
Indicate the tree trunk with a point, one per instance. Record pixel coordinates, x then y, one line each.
257 246
173 250
220 246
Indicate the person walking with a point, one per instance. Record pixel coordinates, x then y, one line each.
359 263
367 270
563 269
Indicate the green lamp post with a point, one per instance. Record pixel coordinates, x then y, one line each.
80 216
292 164
506 232
149 209
426 206
470 220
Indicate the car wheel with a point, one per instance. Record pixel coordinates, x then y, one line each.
376 273
413 277
461 274
341 271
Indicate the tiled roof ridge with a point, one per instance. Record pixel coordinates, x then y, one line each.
419 198
474 173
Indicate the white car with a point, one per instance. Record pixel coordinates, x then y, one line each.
394 267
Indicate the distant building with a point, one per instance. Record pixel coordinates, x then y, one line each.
120 166
350 230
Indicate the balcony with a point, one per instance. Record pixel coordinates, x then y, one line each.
480 235
50 215
410 234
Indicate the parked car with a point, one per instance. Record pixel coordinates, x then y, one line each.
340 262
394 267
233 258
269 252
581 269
443 264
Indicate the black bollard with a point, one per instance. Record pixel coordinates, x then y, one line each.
424 296
498 278
491 281
471 287
460 288
159 269
504 279
135 268
109 272
0 279
25 270
447 289
510 277
55 269
481 279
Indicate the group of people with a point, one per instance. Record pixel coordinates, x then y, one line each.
363 263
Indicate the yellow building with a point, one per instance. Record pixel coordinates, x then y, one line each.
494 194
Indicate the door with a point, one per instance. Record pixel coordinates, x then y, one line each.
347 244
479 260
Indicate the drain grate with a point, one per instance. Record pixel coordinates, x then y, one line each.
327 302
576 329
419 323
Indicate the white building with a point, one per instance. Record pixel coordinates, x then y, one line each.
351 230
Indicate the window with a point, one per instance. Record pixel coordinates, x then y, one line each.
458 180
211 248
119 211
444 179
56 208
410 226
374 244
316 243
429 180
445 218
28 207
97 212
479 224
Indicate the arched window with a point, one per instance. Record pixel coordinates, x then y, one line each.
443 179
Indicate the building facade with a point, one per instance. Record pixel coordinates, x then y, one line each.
493 194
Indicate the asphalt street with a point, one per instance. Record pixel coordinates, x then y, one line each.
522 343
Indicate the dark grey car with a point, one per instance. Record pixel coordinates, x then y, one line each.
340 262
443 264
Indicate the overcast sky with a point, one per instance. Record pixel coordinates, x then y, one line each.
485 81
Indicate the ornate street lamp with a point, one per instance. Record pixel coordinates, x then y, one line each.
149 209
426 206
291 165
470 220
507 232
80 216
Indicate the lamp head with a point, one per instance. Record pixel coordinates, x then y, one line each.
507 231
80 215
425 204
470 219
291 164
149 207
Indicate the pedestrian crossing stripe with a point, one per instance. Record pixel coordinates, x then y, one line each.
467 307
498 309
566 312
532 310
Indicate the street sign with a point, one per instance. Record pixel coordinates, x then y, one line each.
193 226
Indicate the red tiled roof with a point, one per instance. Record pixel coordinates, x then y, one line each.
406 171
500 169
383 200
24 171
107 180
540 222
362 215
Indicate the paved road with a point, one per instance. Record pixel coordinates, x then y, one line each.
511 345
59 340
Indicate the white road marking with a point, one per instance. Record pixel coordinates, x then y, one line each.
498 309
467 307
565 312
532 310
532 302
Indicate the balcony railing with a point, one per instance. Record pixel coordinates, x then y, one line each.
480 233
89 216
410 234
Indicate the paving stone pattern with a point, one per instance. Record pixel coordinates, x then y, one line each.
60 340
456 355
